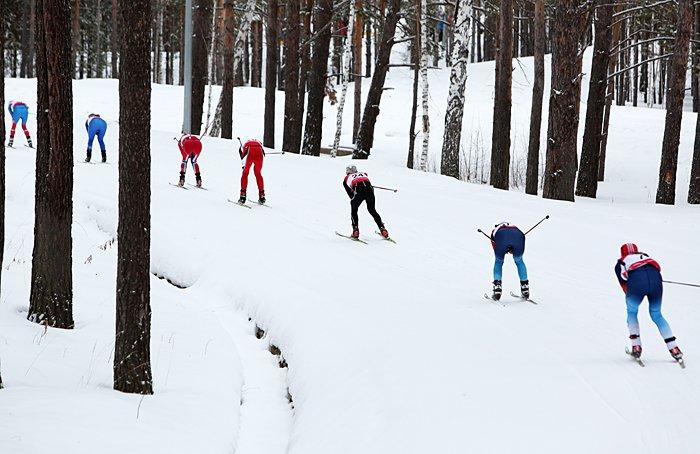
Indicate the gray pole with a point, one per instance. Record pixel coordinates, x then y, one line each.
187 111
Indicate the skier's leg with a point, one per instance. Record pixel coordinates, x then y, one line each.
355 203
12 131
655 299
244 175
522 269
258 162
372 210
633 301
101 140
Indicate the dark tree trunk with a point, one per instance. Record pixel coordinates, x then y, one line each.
305 60
666 192
291 138
317 78
560 169
368 48
201 21
51 298
696 61
500 139
256 64
114 40
491 24
132 352
75 33
365 136
357 69
270 73
415 59
608 100
533 149
587 184
227 88
694 190
2 160
28 30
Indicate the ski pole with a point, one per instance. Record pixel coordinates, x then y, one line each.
386 189
682 283
482 232
533 227
274 152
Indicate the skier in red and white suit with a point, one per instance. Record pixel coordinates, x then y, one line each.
252 154
190 147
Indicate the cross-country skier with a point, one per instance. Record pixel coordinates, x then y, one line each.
252 154
639 276
19 111
96 126
359 189
190 147
508 239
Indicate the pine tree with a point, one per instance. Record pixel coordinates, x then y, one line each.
2 159
347 56
227 88
201 21
290 137
271 52
317 78
666 192
425 92
455 97
357 71
132 352
533 150
694 190
500 140
51 296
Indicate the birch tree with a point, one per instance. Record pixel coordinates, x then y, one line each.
347 56
423 163
455 97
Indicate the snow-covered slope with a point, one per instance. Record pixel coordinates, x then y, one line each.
390 347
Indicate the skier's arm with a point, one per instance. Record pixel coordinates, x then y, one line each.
347 188
9 107
620 279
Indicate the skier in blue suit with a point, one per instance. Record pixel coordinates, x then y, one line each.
508 239
96 126
19 112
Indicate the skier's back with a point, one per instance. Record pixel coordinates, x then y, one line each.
508 239
359 189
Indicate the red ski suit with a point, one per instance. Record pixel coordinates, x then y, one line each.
252 153
190 148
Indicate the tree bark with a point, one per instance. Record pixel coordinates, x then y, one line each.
28 30
75 33
114 39
357 68
500 139
317 79
290 137
587 184
365 136
560 169
51 297
2 160
132 352
256 63
347 57
99 55
271 52
201 21
533 149
666 192
694 189
455 98
415 58
425 92
227 88
305 60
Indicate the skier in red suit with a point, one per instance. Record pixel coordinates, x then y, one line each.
252 154
190 147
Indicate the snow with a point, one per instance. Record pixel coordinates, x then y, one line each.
390 347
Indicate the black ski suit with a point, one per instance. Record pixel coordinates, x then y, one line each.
359 192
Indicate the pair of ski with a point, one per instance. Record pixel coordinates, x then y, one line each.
391 240
514 295
189 186
244 205
639 361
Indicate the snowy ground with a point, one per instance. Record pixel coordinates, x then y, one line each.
391 348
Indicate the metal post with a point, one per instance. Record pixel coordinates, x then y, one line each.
187 111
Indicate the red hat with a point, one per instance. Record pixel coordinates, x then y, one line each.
627 249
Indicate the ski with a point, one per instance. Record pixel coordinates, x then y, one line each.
197 187
235 202
637 360
387 238
175 185
351 238
522 298
680 362
490 298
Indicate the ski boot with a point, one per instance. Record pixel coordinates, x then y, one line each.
198 179
383 232
261 198
525 289
89 156
242 198
497 290
355 233
29 142
104 156
9 144
181 183
676 353
636 351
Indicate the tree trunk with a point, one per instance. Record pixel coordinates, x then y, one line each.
2 161
271 52
415 59
318 78
227 88
608 99
666 192
455 97
491 23
425 92
114 39
132 352
587 184
694 190
75 33
99 55
695 73
201 21
500 139
28 30
533 150
368 49
157 55
290 137
357 69
256 64
365 136
51 297
347 57
560 169
305 61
